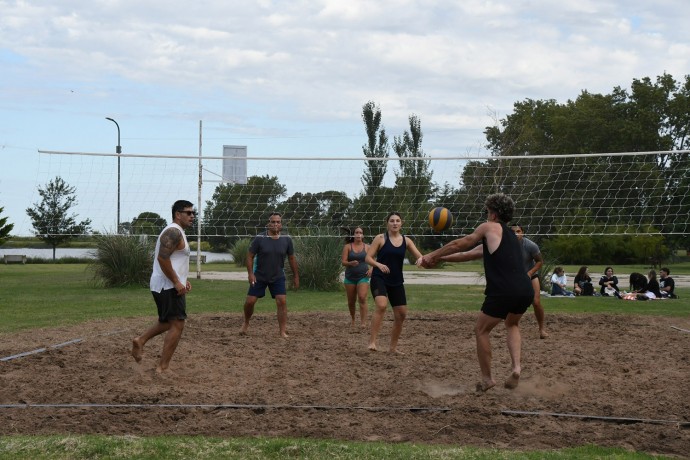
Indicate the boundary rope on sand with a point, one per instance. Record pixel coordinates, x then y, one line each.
223 406
597 417
58 345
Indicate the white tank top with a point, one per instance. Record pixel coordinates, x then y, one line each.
179 260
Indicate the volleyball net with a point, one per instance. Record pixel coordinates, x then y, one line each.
556 195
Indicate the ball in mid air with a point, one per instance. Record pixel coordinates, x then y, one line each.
440 219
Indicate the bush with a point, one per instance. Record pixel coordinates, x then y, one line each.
122 261
319 260
61 260
239 251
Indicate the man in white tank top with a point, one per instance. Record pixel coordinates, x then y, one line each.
169 285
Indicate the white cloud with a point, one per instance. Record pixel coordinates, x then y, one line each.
272 67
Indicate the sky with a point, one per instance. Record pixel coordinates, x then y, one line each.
289 78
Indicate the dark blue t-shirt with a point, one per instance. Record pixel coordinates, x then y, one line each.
269 256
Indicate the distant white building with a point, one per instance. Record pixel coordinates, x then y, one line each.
235 164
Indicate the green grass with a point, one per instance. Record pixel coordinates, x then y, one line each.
202 447
43 295
50 295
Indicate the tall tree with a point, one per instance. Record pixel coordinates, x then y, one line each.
5 228
376 147
413 186
51 219
369 211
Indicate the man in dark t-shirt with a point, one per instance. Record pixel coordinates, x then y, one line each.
508 288
666 283
269 250
533 261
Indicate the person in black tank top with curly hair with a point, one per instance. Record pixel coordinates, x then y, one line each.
508 288
386 255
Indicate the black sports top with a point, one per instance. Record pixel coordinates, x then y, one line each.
504 269
393 257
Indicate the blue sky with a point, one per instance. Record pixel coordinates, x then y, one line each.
290 78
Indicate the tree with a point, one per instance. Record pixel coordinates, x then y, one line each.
51 219
147 223
238 210
369 210
653 116
413 186
5 228
322 209
376 147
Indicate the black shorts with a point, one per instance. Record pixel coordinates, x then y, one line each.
396 294
500 306
170 305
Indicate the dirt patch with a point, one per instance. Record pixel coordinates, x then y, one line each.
323 382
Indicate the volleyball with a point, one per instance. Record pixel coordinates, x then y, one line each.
440 219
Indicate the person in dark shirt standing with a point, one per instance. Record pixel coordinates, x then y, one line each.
270 249
509 290
533 261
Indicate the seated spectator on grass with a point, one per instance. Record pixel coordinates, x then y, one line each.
642 289
638 282
608 283
559 282
653 284
666 283
583 282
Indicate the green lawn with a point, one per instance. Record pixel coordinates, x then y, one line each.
212 448
31 295
49 295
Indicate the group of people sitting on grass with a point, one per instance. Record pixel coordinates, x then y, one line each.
641 287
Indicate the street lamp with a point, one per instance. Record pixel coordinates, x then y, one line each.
118 150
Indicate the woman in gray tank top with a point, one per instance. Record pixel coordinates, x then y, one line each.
357 274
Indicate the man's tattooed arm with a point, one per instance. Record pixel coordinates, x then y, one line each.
170 240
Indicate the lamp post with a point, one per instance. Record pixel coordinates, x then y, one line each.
118 150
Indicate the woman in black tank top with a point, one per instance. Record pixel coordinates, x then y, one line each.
508 288
387 255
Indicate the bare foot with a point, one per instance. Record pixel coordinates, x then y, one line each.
512 381
483 386
165 373
395 351
543 334
284 335
244 333
372 347
137 350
